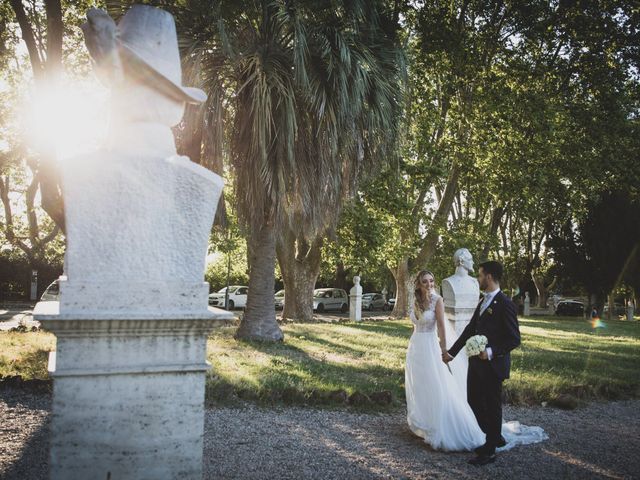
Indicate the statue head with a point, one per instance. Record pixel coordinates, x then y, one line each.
356 280
463 258
139 58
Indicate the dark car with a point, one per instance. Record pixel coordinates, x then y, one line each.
618 309
570 308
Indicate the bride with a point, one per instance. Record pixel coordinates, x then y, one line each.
437 409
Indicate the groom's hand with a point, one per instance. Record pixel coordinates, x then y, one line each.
483 355
446 358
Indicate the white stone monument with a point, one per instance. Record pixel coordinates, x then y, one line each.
355 301
33 295
460 292
527 305
133 317
630 310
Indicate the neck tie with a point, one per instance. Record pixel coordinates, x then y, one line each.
485 303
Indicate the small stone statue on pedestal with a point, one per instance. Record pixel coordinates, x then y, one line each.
527 304
355 301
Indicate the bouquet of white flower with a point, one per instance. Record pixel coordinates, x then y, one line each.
475 345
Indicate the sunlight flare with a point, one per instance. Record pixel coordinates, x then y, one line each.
69 119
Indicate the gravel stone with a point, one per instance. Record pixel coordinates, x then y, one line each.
600 440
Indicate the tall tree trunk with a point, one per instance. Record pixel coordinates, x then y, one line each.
341 276
611 304
259 320
300 266
541 290
404 288
47 69
496 219
439 220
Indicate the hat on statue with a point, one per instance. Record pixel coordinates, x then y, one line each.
148 46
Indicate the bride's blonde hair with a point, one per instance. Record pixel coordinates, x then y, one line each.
421 297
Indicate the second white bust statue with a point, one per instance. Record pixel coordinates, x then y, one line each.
461 291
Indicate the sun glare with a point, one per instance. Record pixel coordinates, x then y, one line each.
70 119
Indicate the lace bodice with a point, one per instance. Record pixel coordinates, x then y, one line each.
427 321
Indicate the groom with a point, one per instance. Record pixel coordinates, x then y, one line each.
495 318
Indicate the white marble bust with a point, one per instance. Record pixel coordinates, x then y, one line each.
138 215
461 291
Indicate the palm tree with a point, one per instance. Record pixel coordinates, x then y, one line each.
306 95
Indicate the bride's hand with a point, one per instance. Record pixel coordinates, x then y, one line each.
483 355
446 358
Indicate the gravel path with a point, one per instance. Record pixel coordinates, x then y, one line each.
598 441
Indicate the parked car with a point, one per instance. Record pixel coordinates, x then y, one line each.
373 301
279 299
330 299
618 309
392 303
237 297
51 293
570 308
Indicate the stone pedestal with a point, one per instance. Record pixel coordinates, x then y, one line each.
630 311
355 301
460 301
128 395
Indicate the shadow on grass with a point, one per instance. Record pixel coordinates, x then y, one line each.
312 368
33 365
300 379
396 329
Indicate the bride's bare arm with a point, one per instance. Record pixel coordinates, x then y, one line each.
442 335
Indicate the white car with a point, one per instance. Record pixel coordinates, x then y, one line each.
237 297
374 301
330 299
279 299
52 292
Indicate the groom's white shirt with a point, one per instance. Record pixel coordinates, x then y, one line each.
488 298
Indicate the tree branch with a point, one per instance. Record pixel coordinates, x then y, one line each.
8 226
28 37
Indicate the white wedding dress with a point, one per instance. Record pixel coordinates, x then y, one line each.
437 408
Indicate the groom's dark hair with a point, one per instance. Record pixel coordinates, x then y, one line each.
493 268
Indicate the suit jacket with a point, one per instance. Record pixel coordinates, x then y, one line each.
499 323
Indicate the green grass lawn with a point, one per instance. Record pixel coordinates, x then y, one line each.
318 361
25 354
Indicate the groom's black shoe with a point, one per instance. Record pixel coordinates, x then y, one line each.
484 449
483 459
487 449
481 449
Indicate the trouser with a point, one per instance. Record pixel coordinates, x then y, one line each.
484 394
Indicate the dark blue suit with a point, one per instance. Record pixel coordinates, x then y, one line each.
499 323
